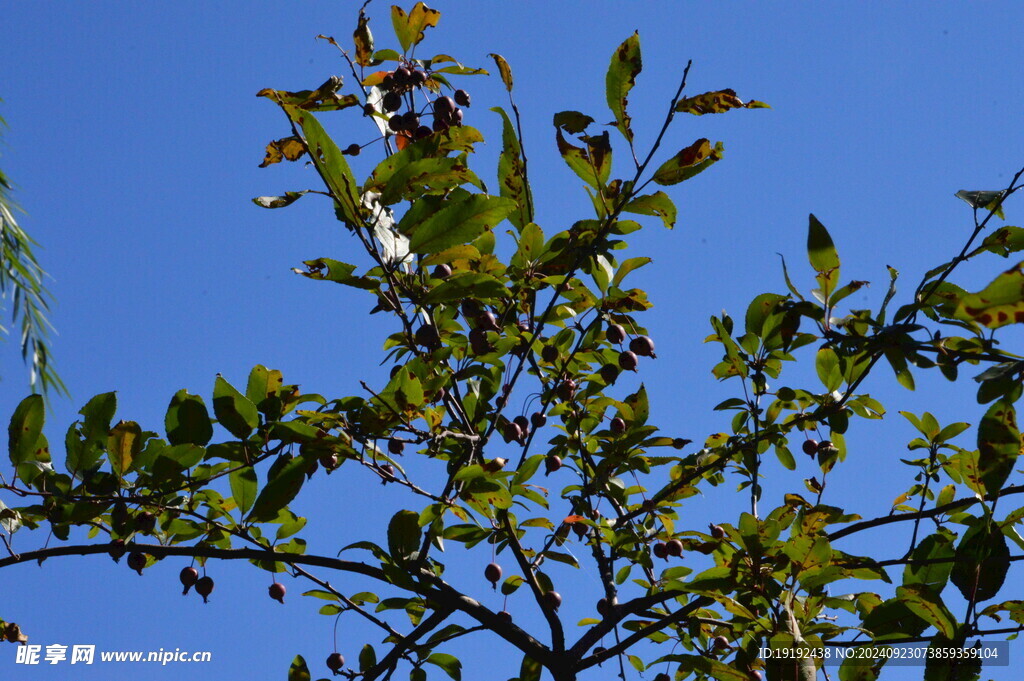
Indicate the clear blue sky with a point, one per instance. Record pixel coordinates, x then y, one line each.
134 138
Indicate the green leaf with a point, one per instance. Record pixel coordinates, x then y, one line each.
1003 241
690 161
932 562
263 384
823 256
658 204
433 175
338 272
530 669
243 488
409 28
626 267
998 444
25 439
330 164
982 561
710 667
449 663
512 180
758 311
593 164
467 285
298 670
123 444
367 658
927 605
187 421
998 304
234 410
283 486
404 536
826 363
459 223
621 77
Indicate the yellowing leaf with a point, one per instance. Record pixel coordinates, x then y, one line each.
718 101
504 69
621 77
289 148
409 28
363 40
998 304
689 162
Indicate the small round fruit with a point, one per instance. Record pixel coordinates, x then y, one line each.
487 322
717 531
523 423
204 587
427 336
512 432
538 419
493 573
188 577
567 389
137 561
810 447
395 124
395 446
442 271
401 76
660 549
720 643
277 592
422 132
615 334
643 346
145 521
551 464
329 460
617 426
387 82
580 529
439 124
417 78
628 361
388 471
462 98
392 101
352 149
444 106
604 608
410 121
116 549
552 599
674 548
679 443
662 677
505 616
609 372
456 117
827 448
549 354
335 662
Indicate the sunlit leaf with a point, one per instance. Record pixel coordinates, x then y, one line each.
459 223
717 101
690 161
409 28
503 69
998 444
288 148
621 77
998 304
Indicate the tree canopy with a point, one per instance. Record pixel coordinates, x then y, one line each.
511 424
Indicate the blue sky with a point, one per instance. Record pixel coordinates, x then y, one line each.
134 138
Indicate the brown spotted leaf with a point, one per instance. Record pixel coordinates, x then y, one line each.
926 604
718 101
998 444
998 304
288 148
409 28
363 40
503 69
621 77
690 161
324 98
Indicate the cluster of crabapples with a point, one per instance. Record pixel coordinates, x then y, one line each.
400 88
822 449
